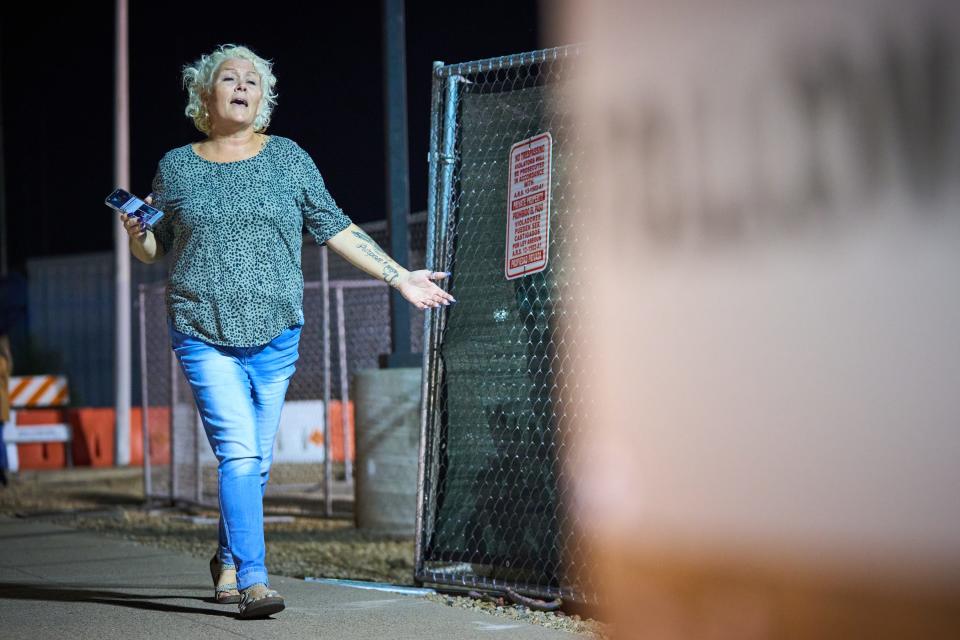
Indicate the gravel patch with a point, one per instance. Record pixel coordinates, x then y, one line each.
553 620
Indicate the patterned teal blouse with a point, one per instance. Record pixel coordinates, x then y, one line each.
235 231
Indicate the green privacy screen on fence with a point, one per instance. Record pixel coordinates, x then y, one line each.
493 508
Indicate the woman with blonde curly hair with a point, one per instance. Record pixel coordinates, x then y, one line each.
236 205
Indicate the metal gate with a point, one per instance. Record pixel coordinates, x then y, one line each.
492 501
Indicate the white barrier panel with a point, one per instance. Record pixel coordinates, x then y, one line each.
300 438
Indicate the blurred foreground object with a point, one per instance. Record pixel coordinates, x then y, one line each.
773 447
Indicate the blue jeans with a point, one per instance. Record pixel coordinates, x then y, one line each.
239 392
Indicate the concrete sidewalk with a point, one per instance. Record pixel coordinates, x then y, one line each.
61 583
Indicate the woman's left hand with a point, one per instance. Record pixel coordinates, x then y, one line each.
418 288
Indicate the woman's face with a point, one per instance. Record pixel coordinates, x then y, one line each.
236 95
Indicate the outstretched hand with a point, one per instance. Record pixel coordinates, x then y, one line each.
419 289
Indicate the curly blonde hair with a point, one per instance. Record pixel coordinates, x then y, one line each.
198 81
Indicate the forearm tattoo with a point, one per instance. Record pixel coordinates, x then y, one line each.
371 243
370 253
372 250
390 274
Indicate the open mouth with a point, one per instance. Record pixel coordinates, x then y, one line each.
239 101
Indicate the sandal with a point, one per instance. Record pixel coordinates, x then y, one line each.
224 581
258 601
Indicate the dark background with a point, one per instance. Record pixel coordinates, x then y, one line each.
57 74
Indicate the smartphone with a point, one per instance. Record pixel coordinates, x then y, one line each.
123 202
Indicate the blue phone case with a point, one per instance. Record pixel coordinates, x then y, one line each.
123 202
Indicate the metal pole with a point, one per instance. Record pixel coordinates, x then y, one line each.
398 173
174 401
344 392
144 398
198 484
448 158
121 177
327 470
435 106
442 134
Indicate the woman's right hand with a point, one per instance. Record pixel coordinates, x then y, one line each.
132 225
134 228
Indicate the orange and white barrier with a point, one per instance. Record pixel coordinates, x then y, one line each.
33 393
39 391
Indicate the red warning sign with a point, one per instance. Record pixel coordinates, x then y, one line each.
528 206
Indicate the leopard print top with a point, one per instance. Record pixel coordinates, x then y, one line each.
235 231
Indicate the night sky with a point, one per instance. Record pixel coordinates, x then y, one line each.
57 74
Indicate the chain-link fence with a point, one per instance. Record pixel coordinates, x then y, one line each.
347 329
505 221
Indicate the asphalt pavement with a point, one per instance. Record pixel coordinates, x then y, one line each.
60 583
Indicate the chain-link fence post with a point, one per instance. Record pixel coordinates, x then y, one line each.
327 453
425 390
442 159
344 385
144 395
174 402
156 387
